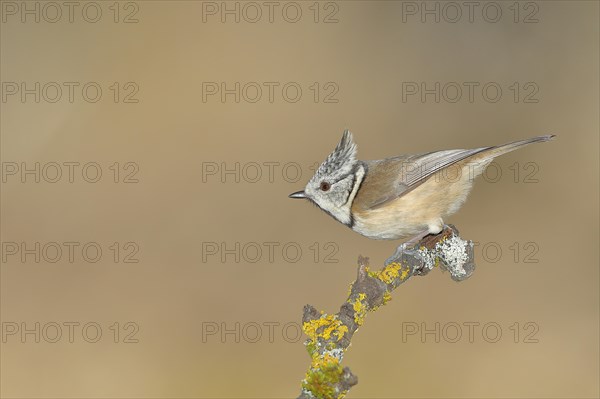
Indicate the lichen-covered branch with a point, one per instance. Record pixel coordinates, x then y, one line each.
329 335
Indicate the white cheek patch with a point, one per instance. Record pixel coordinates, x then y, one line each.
342 212
340 194
358 177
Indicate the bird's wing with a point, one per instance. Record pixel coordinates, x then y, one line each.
391 178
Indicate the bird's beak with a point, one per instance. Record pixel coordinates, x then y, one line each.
297 194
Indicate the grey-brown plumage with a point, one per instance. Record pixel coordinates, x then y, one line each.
403 196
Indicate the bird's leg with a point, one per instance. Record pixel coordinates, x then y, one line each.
434 227
404 247
415 239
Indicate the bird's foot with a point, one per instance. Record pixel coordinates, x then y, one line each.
447 249
407 247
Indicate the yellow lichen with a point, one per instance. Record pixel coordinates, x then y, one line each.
390 272
324 373
360 309
339 333
324 327
404 274
373 274
387 297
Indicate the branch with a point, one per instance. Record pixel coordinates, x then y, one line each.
330 334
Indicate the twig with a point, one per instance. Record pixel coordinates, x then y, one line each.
330 334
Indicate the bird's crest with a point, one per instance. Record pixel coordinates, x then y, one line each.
341 161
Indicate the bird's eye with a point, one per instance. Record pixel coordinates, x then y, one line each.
325 186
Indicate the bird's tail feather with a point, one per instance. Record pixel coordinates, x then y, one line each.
483 159
496 151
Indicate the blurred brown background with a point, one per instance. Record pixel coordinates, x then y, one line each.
537 222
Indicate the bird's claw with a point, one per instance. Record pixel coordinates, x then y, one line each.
404 248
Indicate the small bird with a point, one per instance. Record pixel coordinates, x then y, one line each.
400 197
